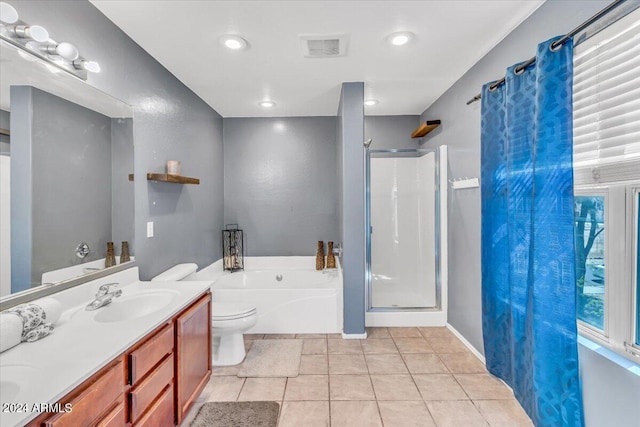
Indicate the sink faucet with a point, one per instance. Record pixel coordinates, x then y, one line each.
103 296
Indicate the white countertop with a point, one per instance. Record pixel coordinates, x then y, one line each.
80 346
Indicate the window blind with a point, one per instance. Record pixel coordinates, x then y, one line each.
606 104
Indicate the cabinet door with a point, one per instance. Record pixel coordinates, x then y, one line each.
193 353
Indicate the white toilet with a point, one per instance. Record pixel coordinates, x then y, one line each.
229 320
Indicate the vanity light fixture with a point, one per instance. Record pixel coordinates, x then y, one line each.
233 42
400 38
8 14
33 32
267 103
370 102
33 42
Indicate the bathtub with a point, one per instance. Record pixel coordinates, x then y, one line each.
290 296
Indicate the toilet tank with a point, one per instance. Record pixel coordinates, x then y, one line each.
177 273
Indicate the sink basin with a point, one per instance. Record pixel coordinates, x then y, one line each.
135 305
12 377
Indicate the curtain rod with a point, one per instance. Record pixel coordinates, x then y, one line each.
556 44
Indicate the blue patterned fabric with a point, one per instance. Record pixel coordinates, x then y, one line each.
528 266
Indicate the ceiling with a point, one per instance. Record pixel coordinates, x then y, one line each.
450 37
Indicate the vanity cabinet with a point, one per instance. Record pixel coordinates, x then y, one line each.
153 383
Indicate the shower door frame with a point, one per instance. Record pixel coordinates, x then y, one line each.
392 152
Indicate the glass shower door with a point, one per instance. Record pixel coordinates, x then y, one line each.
402 207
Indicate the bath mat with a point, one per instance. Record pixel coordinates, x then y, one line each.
237 414
272 358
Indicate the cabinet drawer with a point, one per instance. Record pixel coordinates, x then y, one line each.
144 393
149 354
161 413
115 418
98 395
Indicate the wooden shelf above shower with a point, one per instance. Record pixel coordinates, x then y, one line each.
175 179
425 128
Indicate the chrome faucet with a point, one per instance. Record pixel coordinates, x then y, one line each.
103 296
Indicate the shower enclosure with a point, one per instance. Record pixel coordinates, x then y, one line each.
405 215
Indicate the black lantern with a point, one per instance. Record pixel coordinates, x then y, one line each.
232 248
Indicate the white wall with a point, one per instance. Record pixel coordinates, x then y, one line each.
5 226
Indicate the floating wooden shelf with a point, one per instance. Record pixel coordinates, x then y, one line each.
130 177
5 132
425 128
176 179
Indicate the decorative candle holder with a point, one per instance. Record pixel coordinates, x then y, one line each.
124 253
110 258
331 258
173 167
320 256
232 248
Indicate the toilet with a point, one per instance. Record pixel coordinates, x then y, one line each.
229 320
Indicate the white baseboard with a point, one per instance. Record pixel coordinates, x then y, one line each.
354 336
471 348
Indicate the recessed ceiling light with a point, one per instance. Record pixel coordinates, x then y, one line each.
267 104
400 39
370 102
233 42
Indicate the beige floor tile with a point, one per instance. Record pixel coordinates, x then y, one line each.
355 414
351 387
315 336
253 336
344 346
347 364
442 332
279 336
420 363
405 332
447 345
223 389
307 414
386 364
375 333
395 387
314 346
334 336
225 370
379 346
460 413
247 345
311 364
262 389
405 414
483 386
413 345
503 413
439 387
462 363
307 387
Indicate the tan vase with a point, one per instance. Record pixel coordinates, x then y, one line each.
124 253
110 259
331 258
320 256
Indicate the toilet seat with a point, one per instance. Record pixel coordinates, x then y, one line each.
230 311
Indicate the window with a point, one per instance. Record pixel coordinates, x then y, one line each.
606 128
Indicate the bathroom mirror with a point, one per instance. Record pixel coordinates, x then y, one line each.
66 178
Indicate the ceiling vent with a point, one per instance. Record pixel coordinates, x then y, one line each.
324 45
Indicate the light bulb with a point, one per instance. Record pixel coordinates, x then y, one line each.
92 66
65 50
233 42
8 14
399 39
34 32
370 102
267 104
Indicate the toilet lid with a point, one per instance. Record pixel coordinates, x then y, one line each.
230 310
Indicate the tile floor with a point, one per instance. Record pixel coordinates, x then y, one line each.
397 377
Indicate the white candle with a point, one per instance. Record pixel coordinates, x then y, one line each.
173 167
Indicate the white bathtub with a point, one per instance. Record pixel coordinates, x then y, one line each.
303 301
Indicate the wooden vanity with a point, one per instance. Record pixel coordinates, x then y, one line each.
153 383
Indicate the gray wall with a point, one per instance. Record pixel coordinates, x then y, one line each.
460 131
350 142
69 151
391 131
170 123
280 183
4 139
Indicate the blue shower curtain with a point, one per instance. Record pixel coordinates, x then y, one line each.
528 278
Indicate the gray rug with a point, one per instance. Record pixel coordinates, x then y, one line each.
272 358
237 414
